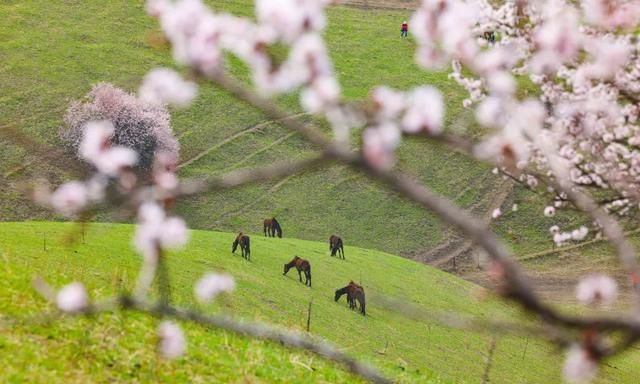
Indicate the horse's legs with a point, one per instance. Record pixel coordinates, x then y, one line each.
300 275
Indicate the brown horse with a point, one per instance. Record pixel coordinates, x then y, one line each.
354 293
336 246
245 245
301 265
272 228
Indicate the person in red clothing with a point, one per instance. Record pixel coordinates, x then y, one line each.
404 29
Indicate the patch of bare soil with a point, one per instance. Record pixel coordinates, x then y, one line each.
381 4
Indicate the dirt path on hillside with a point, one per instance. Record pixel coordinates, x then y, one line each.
381 4
456 253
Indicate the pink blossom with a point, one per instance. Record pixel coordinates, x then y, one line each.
96 140
580 233
212 284
496 213
72 298
172 343
597 289
288 19
164 171
579 367
156 7
166 86
389 103
612 14
379 144
155 231
96 148
425 111
70 198
323 93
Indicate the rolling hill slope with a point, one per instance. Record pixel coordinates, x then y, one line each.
47 64
119 347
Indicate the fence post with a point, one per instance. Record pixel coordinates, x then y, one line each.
309 315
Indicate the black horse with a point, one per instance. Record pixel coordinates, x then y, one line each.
336 246
272 228
245 245
301 265
354 293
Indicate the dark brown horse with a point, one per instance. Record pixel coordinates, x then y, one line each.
272 227
245 245
354 293
301 265
336 246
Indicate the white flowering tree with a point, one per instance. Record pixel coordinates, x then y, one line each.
577 140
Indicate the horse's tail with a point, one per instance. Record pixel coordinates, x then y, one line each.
248 245
362 303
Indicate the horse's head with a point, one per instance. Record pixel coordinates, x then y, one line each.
339 293
279 232
287 267
234 246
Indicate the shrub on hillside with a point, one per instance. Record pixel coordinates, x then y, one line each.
142 127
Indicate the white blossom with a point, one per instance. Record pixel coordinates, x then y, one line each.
70 198
72 298
97 149
166 86
172 343
155 231
597 289
425 111
579 367
212 284
496 213
549 211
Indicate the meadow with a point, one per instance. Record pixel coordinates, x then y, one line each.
47 64
53 52
119 347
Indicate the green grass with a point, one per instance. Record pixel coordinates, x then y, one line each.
119 347
53 52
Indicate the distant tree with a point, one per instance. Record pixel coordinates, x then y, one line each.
138 125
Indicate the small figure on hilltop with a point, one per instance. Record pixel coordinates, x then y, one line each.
490 36
404 29
336 247
272 227
245 246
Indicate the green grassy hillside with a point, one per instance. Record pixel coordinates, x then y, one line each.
120 347
53 52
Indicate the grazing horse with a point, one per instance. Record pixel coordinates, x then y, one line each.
301 265
272 227
354 293
245 245
336 246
